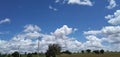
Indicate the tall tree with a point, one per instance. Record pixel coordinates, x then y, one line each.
88 50
53 49
101 51
15 54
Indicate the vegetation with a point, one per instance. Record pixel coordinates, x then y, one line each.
88 50
66 52
53 50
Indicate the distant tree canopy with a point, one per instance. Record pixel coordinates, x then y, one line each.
53 49
29 55
98 51
101 51
67 52
88 50
15 54
82 51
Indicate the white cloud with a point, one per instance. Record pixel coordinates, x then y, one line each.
31 28
115 18
26 41
112 4
52 8
93 32
79 2
93 43
63 31
108 34
6 20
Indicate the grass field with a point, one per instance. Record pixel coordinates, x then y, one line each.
85 55
92 55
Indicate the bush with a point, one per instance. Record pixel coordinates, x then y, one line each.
82 51
96 52
15 54
53 49
101 51
29 55
67 52
88 50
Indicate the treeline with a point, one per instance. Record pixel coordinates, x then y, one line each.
94 51
53 50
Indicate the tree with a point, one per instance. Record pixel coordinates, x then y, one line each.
67 52
82 51
9 55
101 51
29 55
15 54
96 51
88 50
53 49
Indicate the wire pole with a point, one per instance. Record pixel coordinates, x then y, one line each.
38 46
19 50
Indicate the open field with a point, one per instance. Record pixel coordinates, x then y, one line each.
85 55
93 55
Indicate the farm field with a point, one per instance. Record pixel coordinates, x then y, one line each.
93 55
84 55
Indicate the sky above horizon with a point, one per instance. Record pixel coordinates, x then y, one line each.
74 24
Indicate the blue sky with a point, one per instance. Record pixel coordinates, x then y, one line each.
50 15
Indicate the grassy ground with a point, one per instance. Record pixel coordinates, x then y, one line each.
92 55
84 55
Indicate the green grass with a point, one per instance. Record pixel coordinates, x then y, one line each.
92 55
83 55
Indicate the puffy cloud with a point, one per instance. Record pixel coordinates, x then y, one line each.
79 2
6 20
93 42
108 34
65 30
31 28
112 4
115 18
52 8
93 32
26 41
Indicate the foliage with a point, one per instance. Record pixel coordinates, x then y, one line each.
96 52
15 54
101 51
29 55
82 51
67 52
88 50
53 49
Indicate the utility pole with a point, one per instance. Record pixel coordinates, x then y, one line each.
19 50
38 45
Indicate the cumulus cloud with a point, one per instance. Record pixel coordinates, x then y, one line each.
6 20
93 32
112 4
115 18
78 2
27 41
52 8
108 34
93 43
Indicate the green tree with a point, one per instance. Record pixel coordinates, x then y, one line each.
29 55
101 51
88 50
15 54
53 49
82 51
